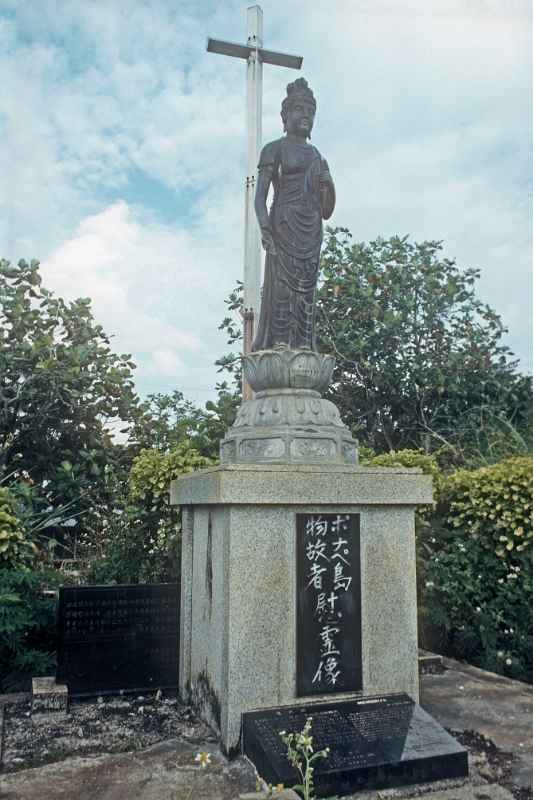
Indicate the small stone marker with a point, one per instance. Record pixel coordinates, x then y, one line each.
430 663
374 743
48 699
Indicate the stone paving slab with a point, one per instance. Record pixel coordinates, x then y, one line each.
166 771
465 792
467 698
488 792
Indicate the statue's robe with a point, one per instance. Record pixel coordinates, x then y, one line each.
288 301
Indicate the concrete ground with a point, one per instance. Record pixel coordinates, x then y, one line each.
467 698
461 698
166 771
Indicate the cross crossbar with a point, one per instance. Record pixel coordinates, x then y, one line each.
244 51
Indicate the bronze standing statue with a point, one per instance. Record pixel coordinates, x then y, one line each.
288 421
304 195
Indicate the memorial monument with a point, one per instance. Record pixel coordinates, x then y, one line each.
298 565
288 421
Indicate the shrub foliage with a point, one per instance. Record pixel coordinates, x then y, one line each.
16 549
142 535
27 626
477 567
493 504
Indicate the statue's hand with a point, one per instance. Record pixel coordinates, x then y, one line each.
325 178
326 190
268 241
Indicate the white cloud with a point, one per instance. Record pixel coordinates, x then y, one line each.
145 280
167 362
422 114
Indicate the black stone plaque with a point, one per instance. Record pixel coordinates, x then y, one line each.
328 627
374 742
118 637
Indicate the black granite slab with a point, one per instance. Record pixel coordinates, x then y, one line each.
374 742
113 638
328 609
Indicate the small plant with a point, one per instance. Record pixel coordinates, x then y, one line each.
271 790
301 755
203 760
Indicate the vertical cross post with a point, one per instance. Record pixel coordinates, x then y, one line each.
255 55
252 239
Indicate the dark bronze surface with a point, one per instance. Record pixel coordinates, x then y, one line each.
304 195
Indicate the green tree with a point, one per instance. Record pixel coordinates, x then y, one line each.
168 420
232 325
420 360
61 389
141 533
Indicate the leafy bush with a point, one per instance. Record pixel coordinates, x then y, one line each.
167 420
407 458
27 626
16 549
153 471
478 567
429 466
494 504
475 561
142 537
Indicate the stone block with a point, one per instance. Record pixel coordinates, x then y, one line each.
48 697
299 484
238 637
370 743
430 663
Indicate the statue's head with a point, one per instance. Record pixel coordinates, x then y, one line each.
298 108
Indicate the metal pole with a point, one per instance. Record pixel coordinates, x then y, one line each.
255 55
252 239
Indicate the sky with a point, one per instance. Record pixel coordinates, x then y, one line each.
123 153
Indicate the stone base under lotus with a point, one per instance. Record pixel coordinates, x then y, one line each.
291 428
288 422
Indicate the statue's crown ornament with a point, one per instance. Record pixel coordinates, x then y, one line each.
298 90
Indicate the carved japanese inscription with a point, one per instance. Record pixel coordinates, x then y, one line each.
118 637
373 742
328 634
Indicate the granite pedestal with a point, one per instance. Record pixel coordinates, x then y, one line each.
238 637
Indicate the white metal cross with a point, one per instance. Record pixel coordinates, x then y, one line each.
255 55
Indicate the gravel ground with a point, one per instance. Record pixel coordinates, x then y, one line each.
131 724
491 763
108 725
